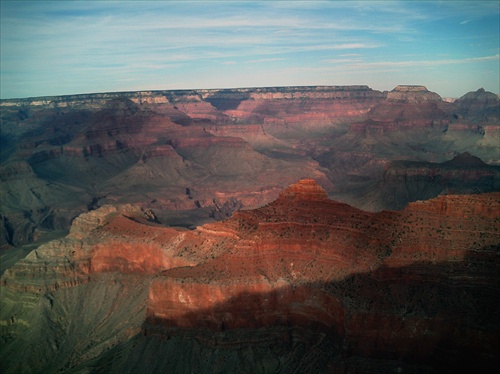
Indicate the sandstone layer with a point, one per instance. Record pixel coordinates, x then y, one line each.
302 283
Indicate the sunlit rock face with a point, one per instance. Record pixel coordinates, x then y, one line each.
410 106
383 285
296 109
412 94
303 281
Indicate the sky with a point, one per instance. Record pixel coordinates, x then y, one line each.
72 47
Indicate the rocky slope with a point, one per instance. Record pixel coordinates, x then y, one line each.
301 284
187 153
408 181
480 106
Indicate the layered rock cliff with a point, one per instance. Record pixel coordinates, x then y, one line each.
408 181
302 283
479 106
148 148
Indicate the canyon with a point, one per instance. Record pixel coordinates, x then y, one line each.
195 155
262 230
302 282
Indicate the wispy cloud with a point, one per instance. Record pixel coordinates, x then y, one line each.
426 63
100 43
356 65
342 60
267 60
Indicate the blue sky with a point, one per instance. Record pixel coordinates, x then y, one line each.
71 47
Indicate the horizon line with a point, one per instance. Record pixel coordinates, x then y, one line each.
224 88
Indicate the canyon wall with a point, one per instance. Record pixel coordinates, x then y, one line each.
223 145
303 281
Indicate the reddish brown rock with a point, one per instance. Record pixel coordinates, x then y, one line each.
110 239
301 108
416 287
303 238
412 94
140 147
410 106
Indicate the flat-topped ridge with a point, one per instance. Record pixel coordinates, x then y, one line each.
41 100
412 94
410 87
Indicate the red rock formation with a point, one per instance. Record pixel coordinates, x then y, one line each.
107 145
303 237
416 286
409 106
412 94
302 108
419 285
104 240
231 306
291 267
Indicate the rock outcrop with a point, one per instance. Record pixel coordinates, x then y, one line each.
295 109
412 94
410 106
334 287
107 239
479 106
407 181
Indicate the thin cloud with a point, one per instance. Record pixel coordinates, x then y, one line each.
267 60
327 47
427 63
386 66
342 60
70 46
